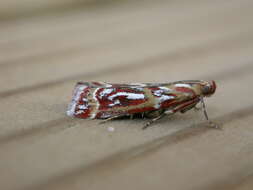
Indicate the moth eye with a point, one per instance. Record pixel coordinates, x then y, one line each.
206 89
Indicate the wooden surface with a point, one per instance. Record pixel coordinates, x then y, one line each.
43 56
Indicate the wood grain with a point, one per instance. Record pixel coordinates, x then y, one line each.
43 55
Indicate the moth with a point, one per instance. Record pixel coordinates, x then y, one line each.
100 100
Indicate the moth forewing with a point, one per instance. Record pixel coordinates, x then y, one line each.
99 100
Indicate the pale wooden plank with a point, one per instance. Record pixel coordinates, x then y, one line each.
51 27
43 105
117 47
41 148
53 71
44 149
14 9
194 159
244 184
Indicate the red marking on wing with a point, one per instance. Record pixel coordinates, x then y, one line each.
83 113
170 102
165 98
118 98
154 90
184 89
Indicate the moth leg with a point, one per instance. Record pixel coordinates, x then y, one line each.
153 114
153 120
211 124
186 105
111 118
187 108
162 114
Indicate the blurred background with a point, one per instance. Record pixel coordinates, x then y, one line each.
46 46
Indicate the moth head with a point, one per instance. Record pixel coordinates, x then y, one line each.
208 88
